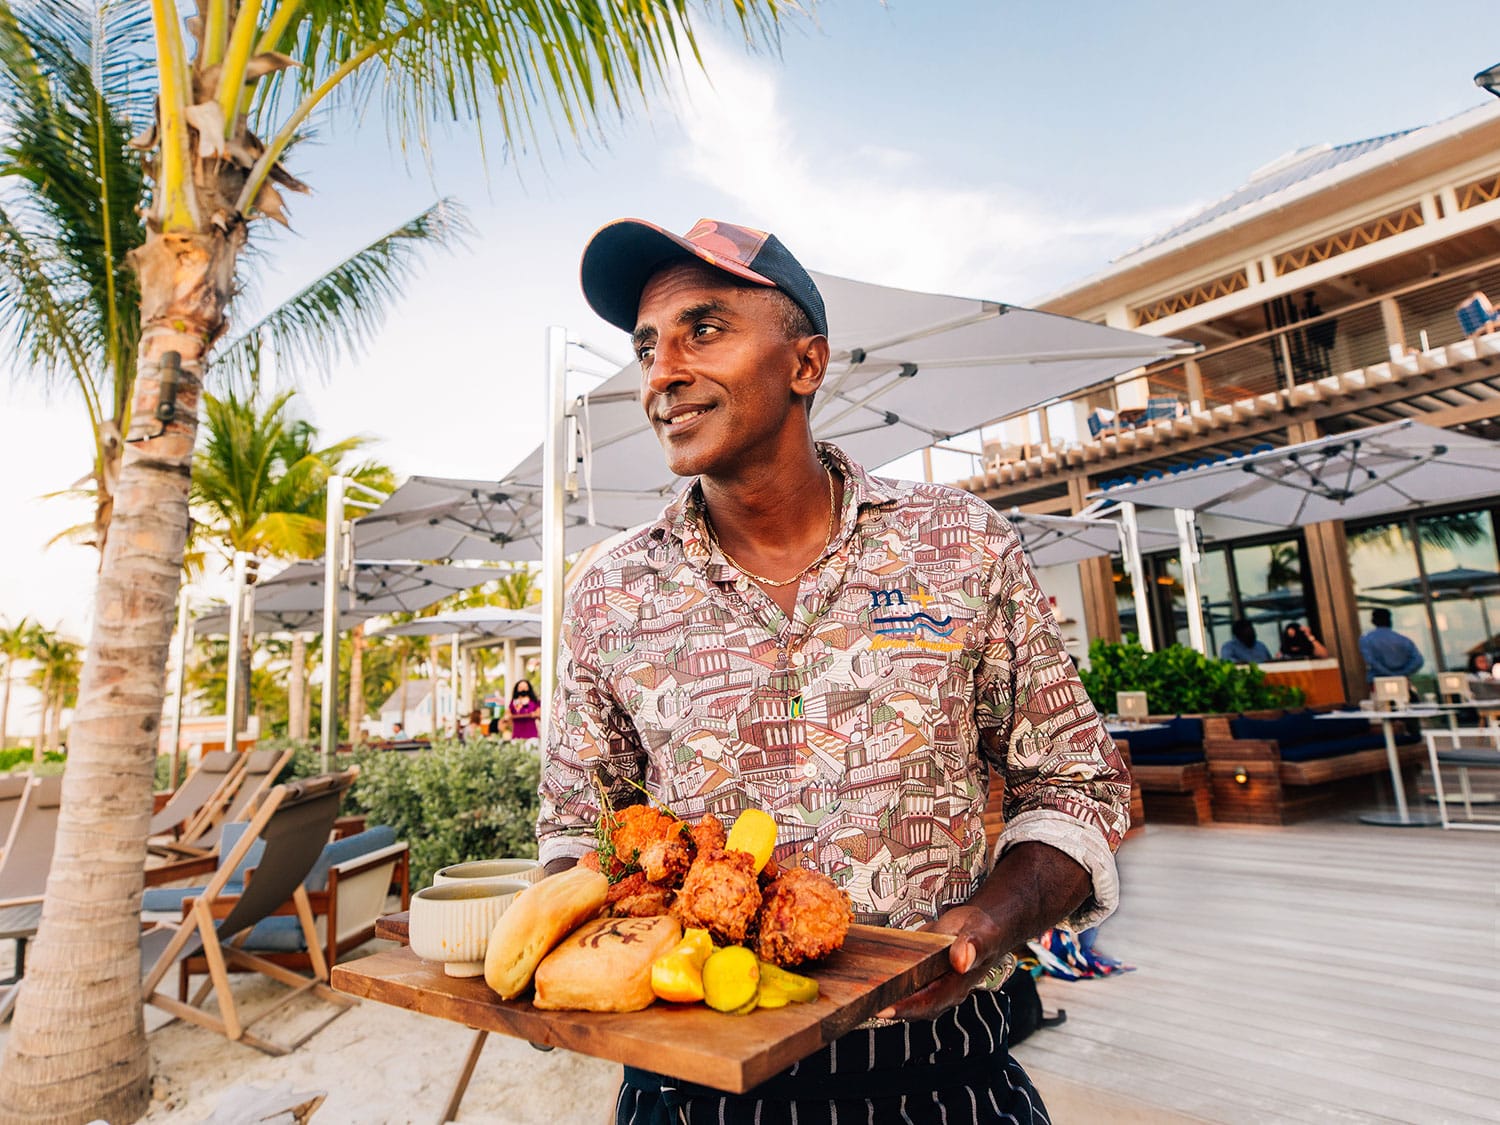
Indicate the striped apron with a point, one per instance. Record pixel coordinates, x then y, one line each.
954 1070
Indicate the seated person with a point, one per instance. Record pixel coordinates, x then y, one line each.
1481 666
1297 643
1243 648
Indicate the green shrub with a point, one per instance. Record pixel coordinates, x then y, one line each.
455 802
20 758
1179 679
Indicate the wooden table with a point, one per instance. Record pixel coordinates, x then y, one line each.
875 968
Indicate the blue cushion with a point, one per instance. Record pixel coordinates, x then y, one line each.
1180 756
1292 728
1148 741
350 847
227 841
1330 748
279 934
169 899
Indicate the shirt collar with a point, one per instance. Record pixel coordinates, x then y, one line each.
682 519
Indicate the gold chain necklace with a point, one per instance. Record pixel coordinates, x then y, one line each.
832 528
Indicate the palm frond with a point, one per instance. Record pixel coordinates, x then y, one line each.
338 315
524 64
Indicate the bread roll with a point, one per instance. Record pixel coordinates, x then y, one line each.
538 918
605 965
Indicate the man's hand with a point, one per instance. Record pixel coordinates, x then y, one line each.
1031 889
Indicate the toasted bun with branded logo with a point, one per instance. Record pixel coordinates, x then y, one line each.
605 965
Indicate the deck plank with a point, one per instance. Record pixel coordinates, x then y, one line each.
1326 971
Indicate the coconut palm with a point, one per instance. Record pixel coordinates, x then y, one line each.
228 110
58 666
17 642
260 486
73 92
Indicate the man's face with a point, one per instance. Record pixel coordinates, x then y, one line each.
720 382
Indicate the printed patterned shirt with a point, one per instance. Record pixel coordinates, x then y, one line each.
920 656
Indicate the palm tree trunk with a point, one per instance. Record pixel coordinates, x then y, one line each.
54 723
10 667
357 684
77 1046
296 690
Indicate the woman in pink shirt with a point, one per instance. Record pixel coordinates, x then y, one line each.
524 707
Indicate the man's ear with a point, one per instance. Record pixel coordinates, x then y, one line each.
812 365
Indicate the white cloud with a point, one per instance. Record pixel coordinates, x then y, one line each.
882 215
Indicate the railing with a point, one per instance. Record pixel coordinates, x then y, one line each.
1346 339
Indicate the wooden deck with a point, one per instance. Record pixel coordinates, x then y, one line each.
1325 972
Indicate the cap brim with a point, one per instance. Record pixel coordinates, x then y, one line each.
622 257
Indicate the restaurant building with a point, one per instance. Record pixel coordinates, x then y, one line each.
1324 293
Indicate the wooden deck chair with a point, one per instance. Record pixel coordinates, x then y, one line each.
12 785
210 784
294 821
254 779
23 873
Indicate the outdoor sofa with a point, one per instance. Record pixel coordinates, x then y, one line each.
1171 770
1277 767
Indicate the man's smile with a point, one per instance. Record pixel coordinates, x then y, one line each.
682 417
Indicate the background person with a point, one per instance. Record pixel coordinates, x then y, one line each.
524 708
1298 643
779 600
1242 647
1385 651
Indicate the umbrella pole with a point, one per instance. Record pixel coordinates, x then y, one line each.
1130 541
1187 553
333 529
455 684
232 661
184 639
554 482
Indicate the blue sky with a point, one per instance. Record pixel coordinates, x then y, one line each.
990 149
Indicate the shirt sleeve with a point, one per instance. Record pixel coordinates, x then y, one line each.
590 741
1066 784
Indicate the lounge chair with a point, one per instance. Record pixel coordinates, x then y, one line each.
347 889
23 873
201 836
211 784
12 785
294 821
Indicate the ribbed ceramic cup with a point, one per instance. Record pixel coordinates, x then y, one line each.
516 870
452 923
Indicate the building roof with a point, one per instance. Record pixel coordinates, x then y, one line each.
416 692
1279 175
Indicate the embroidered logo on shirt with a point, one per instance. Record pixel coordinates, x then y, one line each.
913 628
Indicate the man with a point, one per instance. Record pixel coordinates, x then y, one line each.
1385 651
1242 647
852 655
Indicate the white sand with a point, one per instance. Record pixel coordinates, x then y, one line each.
378 1065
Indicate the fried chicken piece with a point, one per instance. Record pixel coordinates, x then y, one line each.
637 827
636 897
720 894
709 833
665 862
804 917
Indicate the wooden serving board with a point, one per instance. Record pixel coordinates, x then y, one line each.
692 1042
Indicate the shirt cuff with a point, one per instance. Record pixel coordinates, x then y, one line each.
1078 842
561 846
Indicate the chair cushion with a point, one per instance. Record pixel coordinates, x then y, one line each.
1179 733
350 847
1295 727
1181 756
279 934
1330 748
168 900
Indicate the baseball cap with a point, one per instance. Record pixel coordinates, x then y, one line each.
623 256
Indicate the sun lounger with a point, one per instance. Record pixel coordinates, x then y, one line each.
23 873
12 785
294 821
254 779
211 784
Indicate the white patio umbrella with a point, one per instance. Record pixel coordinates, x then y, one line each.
489 622
374 586
1374 471
1054 540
